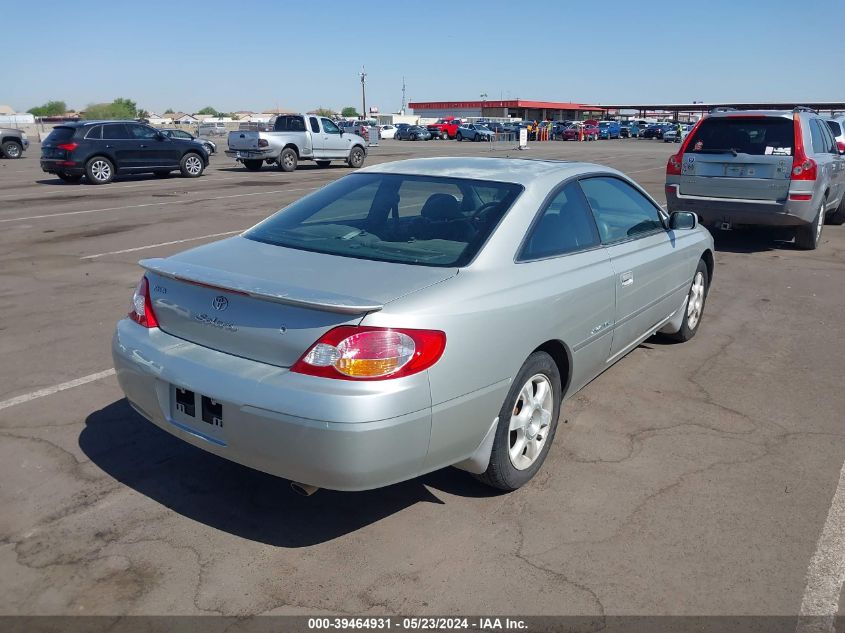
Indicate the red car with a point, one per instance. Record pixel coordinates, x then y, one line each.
444 128
591 133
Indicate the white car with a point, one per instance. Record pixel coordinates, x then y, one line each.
387 131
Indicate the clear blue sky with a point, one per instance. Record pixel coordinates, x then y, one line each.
255 55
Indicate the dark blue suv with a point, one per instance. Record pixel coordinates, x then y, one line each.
102 150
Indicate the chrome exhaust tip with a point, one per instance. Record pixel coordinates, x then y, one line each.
306 490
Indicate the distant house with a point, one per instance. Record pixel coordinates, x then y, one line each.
6 110
275 111
240 114
183 118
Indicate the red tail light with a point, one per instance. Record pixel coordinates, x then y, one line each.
673 166
371 353
68 147
141 308
841 146
803 167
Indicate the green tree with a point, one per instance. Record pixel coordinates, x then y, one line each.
120 108
349 111
143 114
321 111
170 111
209 110
51 108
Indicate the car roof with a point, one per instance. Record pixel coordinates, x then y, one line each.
753 113
522 171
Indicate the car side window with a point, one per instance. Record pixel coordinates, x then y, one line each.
315 126
820 146
565 226
115 131
140 132
95 133
330 127
621 212
830 140
181 134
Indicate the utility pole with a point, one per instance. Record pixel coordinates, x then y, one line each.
402 109
483 103
363 94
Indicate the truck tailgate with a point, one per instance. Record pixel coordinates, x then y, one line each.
243 140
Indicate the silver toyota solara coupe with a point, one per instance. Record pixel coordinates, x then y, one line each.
410 316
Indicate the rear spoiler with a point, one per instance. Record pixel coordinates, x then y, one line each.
265 289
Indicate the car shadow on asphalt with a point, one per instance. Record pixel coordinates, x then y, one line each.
241 501
756 240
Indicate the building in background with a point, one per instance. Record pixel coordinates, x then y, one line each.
508 109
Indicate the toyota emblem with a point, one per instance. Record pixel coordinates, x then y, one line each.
220 303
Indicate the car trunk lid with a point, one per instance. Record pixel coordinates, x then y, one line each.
270 303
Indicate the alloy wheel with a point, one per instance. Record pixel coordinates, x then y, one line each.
530 421
695 302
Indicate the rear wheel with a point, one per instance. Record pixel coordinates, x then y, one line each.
12 149
807 238
191 165
356 157
323 163
527 424
838 216
288 160
72 178
99 170
695 305
459 137
253 165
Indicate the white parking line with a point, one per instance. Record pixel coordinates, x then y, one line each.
826 574
153 204
141 248
47 391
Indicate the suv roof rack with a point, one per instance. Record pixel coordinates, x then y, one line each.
804 109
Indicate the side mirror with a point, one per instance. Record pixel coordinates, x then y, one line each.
683 221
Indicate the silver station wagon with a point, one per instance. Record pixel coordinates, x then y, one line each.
410 316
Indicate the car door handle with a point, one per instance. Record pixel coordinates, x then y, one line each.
627 278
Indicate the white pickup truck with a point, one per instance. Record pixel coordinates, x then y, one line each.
297 137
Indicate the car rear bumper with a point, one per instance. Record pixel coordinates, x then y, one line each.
252 154
276 421
742 212
55 166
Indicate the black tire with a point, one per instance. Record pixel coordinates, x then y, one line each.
688 328
356 157
323 163
501 472
192 165
99 170
288 160
71 178
838 216
808 237
459 137
253 165
12 149
415 137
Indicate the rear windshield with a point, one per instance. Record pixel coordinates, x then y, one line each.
289 124
59 135
429 221
835 128
755 136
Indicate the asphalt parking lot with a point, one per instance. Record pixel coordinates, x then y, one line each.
689 479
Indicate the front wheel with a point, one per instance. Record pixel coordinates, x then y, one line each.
459 137
356 157
12 149
808 238
191 165
695 305
288 159
527 424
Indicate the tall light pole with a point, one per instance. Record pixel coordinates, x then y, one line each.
483 102
363 94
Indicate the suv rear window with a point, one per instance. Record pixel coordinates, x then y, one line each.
59 134
755 136
429 221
